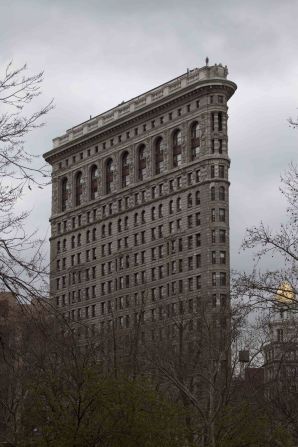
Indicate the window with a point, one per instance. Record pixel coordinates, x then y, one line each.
213 215
141 162
199 282
124 170
160 211
189 178
222 215
222 193
212 171
78 188
222 236
64 193
177 140
222 278
212 192
222 257
220 121
195 140
158 156
220 146
109 175
212 121
198 261
189 200
198 198
198 239
93 182
214 279
171 208
178 204
213 237
143 217
221 171
198 175
213 257
223 300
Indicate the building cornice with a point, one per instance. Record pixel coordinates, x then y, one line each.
197 81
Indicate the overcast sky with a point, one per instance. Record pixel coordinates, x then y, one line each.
98 53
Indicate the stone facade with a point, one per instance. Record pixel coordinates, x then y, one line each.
149 249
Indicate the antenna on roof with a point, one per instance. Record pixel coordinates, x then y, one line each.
207 61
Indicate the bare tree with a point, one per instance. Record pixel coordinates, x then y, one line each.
262 286
21 266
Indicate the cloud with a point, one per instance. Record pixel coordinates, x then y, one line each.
98 53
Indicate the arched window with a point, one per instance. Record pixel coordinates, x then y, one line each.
177 140
189 200
158 156
79 237
212 192
93 182
195 140
136 219
110 229
78 188
72 241
119 225
124 170
58 247
103 231
109 175
94 234
141 162
222 193
88 236
64 193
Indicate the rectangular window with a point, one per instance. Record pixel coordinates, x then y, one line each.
214 279
222 278
222 215
222 236
221 171
222 257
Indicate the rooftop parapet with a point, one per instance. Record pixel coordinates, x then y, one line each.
217 71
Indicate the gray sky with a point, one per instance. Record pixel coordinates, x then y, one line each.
97 53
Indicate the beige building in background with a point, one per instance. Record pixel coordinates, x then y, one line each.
140 209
